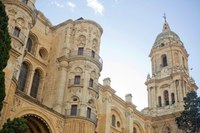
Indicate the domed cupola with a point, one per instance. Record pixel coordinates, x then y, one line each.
166 37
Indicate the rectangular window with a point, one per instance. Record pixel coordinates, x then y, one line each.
16 32
93 54
91 83
80 51
88 112
77 80
73 110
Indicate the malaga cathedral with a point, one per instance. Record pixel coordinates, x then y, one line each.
52 78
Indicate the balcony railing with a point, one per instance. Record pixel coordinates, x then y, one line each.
21 36
72 82
68 113
94 87
89 55
28 3
93 117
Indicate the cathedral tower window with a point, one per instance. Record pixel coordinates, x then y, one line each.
164 60
91 81
80 50
73 110
159 101
134 130
113 120
173 98
89 112
16 31
23 76
77 79
166 97
35 84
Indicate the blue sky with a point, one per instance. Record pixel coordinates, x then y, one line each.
130 29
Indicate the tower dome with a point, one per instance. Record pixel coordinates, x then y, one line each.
166 37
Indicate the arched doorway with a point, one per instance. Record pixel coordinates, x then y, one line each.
36 124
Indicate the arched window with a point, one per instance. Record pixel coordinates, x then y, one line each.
159 101
134 130
164 60
35 84
166 97
113 120
89 111
91 83
29 45
23 76
173 98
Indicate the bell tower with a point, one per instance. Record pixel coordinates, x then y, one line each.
170 80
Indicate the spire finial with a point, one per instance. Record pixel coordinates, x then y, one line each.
164 16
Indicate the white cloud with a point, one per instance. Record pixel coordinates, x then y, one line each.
57 4
70 4
96 6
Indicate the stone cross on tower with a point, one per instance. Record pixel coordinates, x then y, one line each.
164 16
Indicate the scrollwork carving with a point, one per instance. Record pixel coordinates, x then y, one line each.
60 125
107 98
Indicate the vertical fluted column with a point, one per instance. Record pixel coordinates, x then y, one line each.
60 86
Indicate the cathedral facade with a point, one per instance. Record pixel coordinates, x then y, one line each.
53 71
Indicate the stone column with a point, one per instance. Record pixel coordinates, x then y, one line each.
60 86
29 81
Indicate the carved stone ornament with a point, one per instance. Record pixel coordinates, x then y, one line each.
17 103
59 125
107 98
